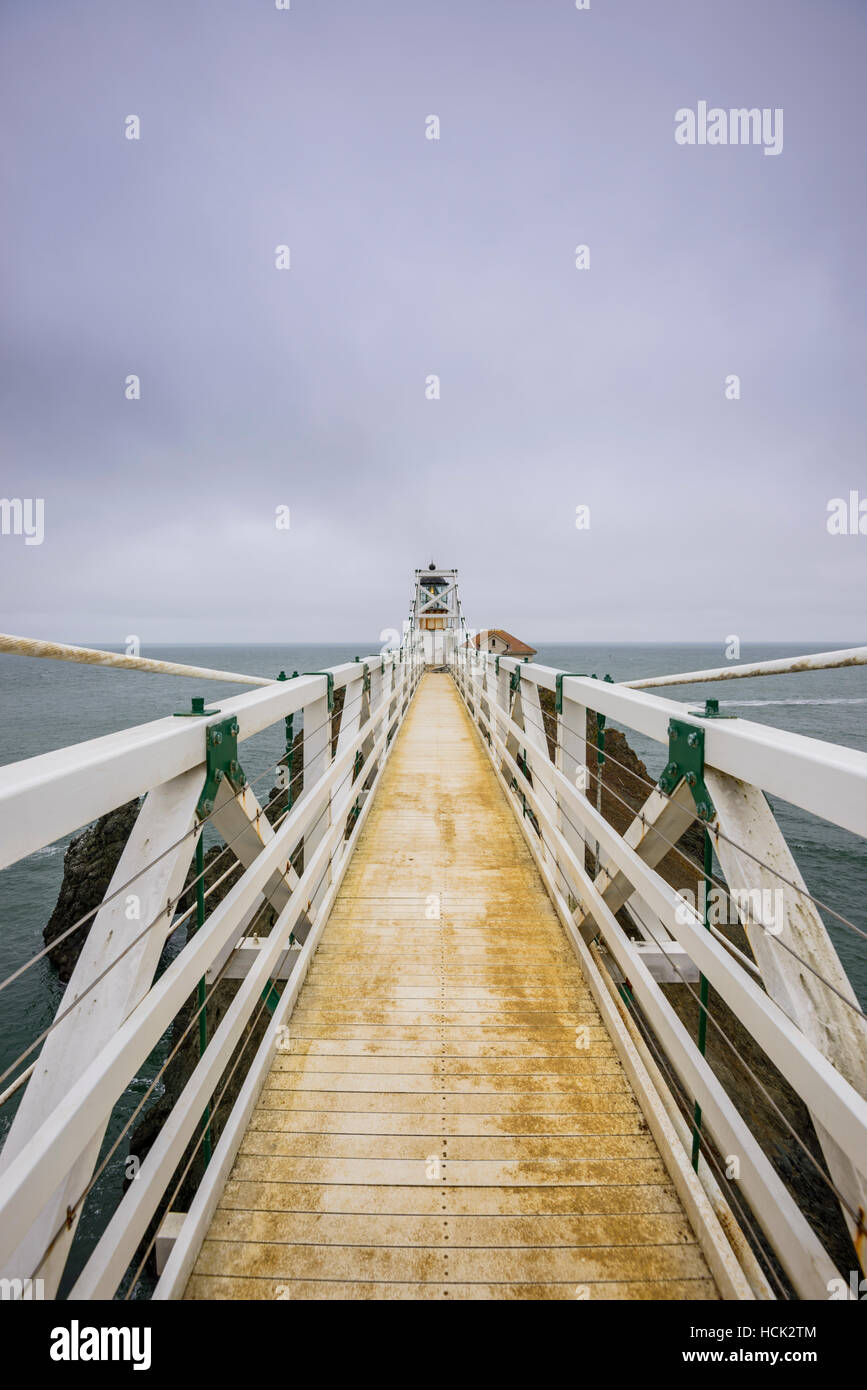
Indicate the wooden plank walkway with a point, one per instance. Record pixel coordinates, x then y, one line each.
434 1131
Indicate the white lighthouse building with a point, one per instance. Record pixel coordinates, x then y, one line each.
436 610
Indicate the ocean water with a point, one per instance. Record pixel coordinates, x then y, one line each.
46 705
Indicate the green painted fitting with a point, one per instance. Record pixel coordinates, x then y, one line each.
330 678
600 739
269 993
686 761
625 992
198 710
710 711
221 762
289 724
558 697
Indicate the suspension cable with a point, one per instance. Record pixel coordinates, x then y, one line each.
92 984
828 1181
272 980
717 882
654 787
193 831
675 1089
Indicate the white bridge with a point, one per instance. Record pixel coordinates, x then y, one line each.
454 1065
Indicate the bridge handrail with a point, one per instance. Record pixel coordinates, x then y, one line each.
822 1051
827 779
48 796
90 1055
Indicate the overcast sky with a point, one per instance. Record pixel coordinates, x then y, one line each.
306 388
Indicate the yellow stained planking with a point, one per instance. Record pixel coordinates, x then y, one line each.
433 1130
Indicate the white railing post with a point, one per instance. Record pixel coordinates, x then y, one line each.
317 760
167 815
503 706
829 1017
539 764
570 758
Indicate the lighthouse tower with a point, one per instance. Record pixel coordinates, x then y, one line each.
436 610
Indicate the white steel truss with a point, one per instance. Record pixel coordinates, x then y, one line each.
113 1011
806 1019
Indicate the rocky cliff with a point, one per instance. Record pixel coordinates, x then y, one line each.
88 864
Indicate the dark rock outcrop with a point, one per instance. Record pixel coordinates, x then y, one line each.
88 864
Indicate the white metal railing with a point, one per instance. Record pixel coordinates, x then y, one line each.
794 998
113 1012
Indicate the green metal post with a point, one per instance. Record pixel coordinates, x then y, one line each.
289 722
269 993
600 760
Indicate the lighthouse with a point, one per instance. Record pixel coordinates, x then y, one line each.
436 610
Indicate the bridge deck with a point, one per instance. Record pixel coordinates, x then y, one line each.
434 1132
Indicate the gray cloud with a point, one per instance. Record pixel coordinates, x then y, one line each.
412 257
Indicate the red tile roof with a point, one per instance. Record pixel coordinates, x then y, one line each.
515 646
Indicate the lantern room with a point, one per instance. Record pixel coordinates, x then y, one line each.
436 609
